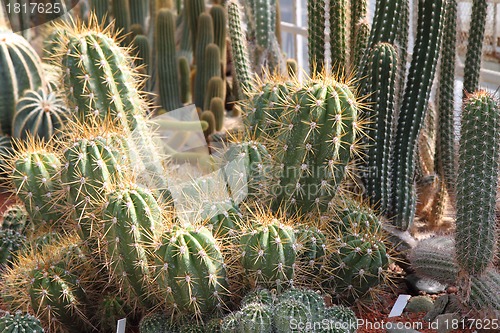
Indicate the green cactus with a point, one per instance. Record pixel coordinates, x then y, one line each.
259 295
91 168
219 19
15 218
268 254
6 152
313 301
205 37
445 147
413 109
472 67
41 113
191 328
292 68
344 315
338 33
168 77
256 317
45 239
156 322
184 79
360 43
20 69
316 32
231 323
312 247
477 183
205 70
288 311
139 11
190 271
143 61
380 85
37 182
217 108
208 117
239 50
315 145
121 14
10 242
194 9
20 323
111 308
215 88
359 10
100 8
132 216
224 219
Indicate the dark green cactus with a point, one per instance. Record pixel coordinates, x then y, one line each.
338 33
156 322
40 113
100 8
380 85
168 77
6 152
224 219
360 43
20 69
190 271
143 49
445 146
121 14
184 79
359 9
259 295
313 301
316 32
231 323
475 46
10 242
239 50
139 11
131 216
413 109
477 182
255 317
20 323
290 311
194 9
15 218
312 247
217 108
342 315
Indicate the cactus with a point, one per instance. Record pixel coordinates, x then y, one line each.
15 218
91 168
215 88
143 61
100 8
185 84
338 31
155 323
268 253
20 323
413 108
194 9
205 37
222 218
6 152
315 145
255 317
359 9
360 43
472 66
121 14
239 51
344 316
220 31
231 323
292 68
111 308
208 117
217 108
20 69
312 247
10 242
290 310
313 301
477 183
190 271
380 85
205 70
41 113
316 32
191 328
37 182
445 146
139 11
168 77
131 216
259 295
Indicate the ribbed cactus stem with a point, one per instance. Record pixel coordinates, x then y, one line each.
185 83
316 32
217 108
239 49
358 14
413 110
338 33
477 183
194 8
215 88
445 146
220 30
360 44
101 10
264 25
475 46
168 77
204 37
139 11
205 71
380 86
121 13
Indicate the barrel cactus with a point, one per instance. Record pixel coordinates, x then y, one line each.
289 313
155 322
18 323
231 323
313 301
256 317
259 295
20 70
312 247
40 113
344 316
15 218
224 218
190 271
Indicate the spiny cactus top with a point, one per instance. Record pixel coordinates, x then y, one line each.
20 323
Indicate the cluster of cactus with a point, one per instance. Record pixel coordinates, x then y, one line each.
296 310
20 323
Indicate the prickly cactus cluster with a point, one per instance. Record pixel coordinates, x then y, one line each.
164 162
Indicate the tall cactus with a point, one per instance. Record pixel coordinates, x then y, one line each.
359 10
475 46
220 30
168 77
477 183
413 110
316 31
194 8
380 88
204 38
445 147
121 13
338 32
239 49
139 10
100 8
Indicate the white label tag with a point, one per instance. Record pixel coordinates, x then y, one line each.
120 326
399 306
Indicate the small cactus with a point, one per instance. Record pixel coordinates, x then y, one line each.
15 218
255 317
10 242
155 323
20 323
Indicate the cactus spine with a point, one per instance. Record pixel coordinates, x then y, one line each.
101 10
477 183
256 317
19 70
10 242
413 109
475 46
168 77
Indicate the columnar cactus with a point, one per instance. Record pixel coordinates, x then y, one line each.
20 323
338 33
220 31
359 10
217 108
100 8
475 46
477 183
168 77
36 177
190 271
380 87
121 14
139 11
316 32
15 218
185 82
131 217
413 108
6 151
360 44
20 69
41 113
239 50
194 8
